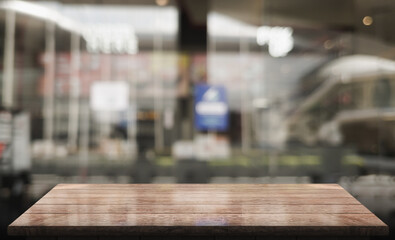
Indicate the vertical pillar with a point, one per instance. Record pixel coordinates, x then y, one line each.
74 91
245 119
84 139
49 93
158 96
132 110
8 61
105 125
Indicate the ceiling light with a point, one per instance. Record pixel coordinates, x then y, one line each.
367 20
162 2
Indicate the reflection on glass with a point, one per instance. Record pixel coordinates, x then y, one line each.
281 91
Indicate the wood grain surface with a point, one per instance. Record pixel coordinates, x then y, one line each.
198 209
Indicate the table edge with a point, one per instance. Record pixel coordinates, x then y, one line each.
355 231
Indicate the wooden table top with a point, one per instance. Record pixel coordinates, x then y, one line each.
196 209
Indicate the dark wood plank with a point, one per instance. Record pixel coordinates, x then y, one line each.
331 238
41 238
120 238
277 238
237 238
188 238
78 238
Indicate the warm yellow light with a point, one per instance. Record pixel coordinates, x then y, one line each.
367 20
162 2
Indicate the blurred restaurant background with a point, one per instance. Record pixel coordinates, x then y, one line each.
208 91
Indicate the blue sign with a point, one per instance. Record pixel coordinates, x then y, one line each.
211 108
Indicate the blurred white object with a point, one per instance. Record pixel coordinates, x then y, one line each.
15 142
110 38
42 148
183 150
353 66
278 39
109 96
210 146
168 118
61 151
330 133
115 149
204 147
